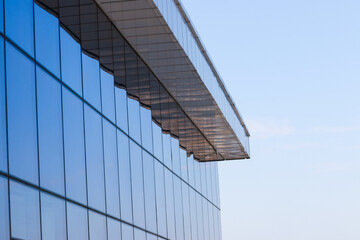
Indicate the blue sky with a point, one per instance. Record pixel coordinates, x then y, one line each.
293 69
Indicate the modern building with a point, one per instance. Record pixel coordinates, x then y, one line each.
112 120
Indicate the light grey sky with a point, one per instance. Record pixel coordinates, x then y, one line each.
293 69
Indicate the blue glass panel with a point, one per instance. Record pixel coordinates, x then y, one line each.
191 170
139 234
19 23
3 140
47 40
2 16
50 132
134 119
94 159
124 177
25 212
160 198
74 147
157 142
205 218
170 208
70 62
167 149
121 109
183 164
203 179
186 211
175 154
53 219
108 95
146 129
22 133
149 190
199 211
77 222
197 174
4 209
127 232
91 81
111 170
114 230
97 226
151 237
178 208
193 214
137 184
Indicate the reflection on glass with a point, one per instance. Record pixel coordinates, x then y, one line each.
3 141
121 109
4 209
149 190
157 141
113 229
186 211
70 62
111 169
160 198
97 226
50 132
77 222
91 81
127 232
19 23
2 16
151 237
139 234
167 150
205 218
178 208
74 147
134 119
199 211
21 101
107 95
94 159
146 131
53 220
170 208
183 164
137 184
193 214
175 155
25 212
124 177
47 40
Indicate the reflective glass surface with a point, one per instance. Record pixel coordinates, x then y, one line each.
4 209
94 159
146 129
183 165
175 154
149 190
21 106
121 109
2 16
97 226
157 141
139 234
3 137
77 222
113 229
186 211
127 232
134 119
167 150
193 215
178 208
19 16
170 208
50 132
47 40
108 95
160 199
74 147
91 81
70 62
53 219
137 183
25 212
111 170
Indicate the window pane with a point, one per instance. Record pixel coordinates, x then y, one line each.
149 190
124 177
157 141
134 119
167 150
170 209
186 211
70 62
175 155
178 209
97 226
183 163
137 184
193 215
111 170
3 141
94 159
19 23
146 131
25 212
121 109
191 170
139 234
2 16
74 147
50 132
160 198
107 95
21 115
151 237
114 231
4 209
127 232
91 81
77 222
199 211
53 220
47 40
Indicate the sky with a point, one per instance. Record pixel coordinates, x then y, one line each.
293 70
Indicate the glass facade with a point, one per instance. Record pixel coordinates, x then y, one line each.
79 157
